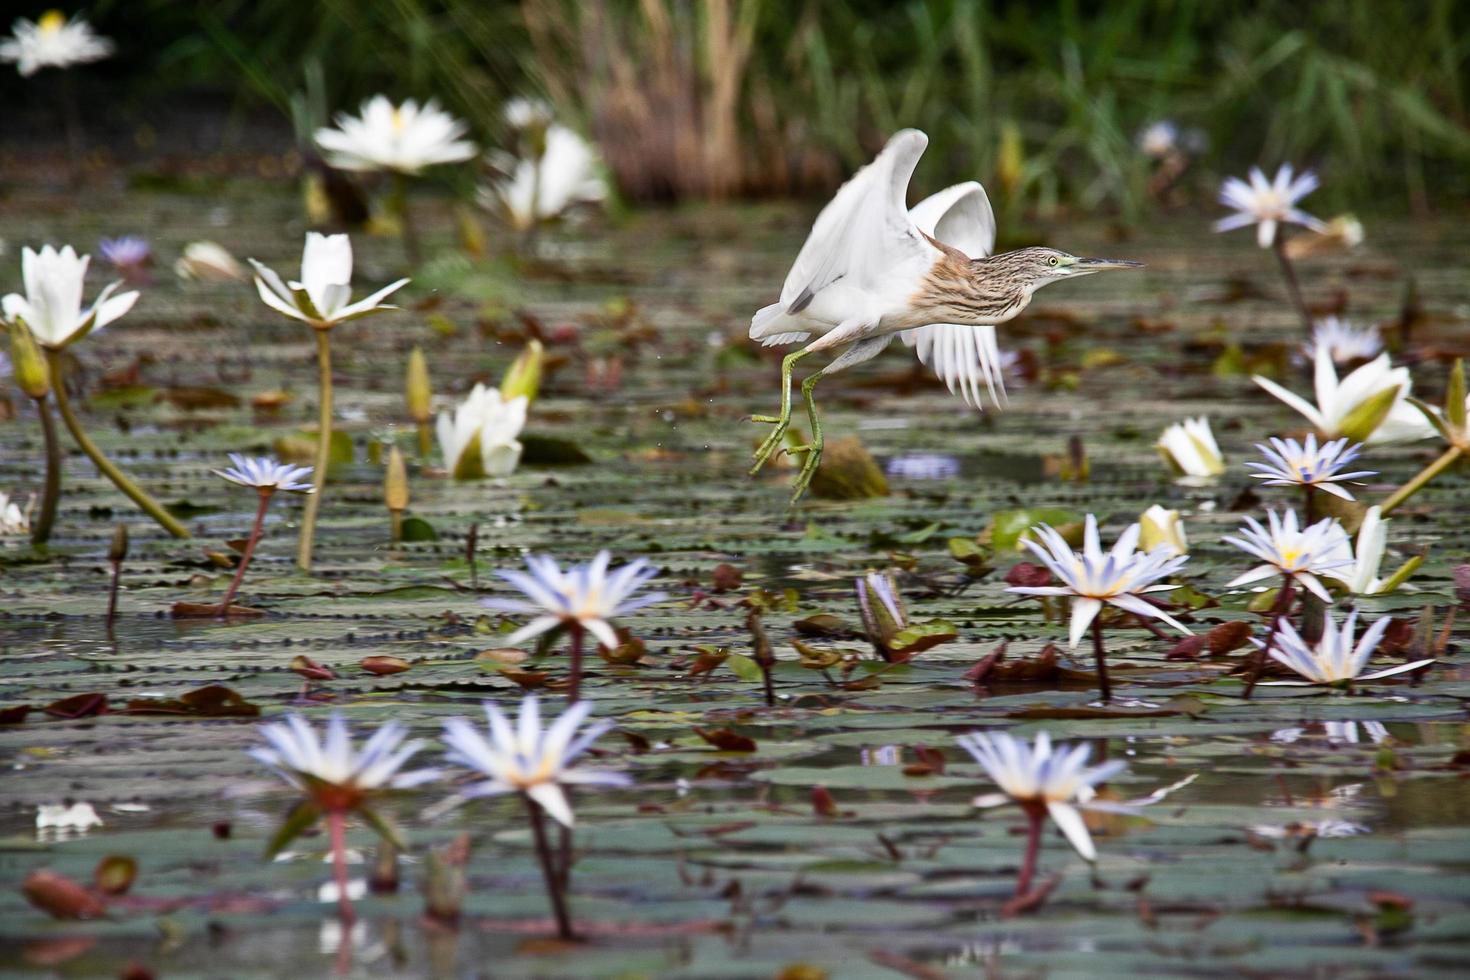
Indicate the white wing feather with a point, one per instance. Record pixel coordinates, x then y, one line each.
962 356
865 230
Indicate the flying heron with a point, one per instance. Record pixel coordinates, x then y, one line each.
872 268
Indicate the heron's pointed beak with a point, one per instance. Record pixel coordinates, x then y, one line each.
1100 265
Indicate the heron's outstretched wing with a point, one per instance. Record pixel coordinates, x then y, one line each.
865 230
960 216
963 357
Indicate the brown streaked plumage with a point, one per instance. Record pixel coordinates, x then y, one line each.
871 270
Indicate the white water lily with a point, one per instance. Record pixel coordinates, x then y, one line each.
1286 548
1353 406
1334 659
1344 341
14 520
479 439
1268 203
1162 528
534 190
208 262
1289 463
329 770
527 759
52 304
521 112
1092 578
1365 558
322 296
264 473
1042 777
1190 450
402 139
1158 139
52 42
584 596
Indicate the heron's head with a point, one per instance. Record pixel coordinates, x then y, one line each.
1032 268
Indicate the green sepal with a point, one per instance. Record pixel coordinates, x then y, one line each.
302 816
1368 415
383 826
1454 398
1401 576
1434 418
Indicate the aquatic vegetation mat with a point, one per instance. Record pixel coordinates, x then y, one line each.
1302 834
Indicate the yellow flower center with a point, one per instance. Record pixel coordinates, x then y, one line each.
397 120
51 22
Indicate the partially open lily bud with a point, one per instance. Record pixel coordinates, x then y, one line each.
395 482
418 392
881 608
1190 449
1159 526
29 364
523 378
1342 233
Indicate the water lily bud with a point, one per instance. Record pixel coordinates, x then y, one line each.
1190 450
118 550
881 608
524 375
418 392
395 482
1159 526
28 363
208 261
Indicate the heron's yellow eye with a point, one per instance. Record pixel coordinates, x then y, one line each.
1052 260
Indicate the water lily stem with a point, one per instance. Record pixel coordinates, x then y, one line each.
323 448
1279 612
265 500
112 593
119 479
548 871
405 219
395 518
1099 656
1293 288
51 489
574 683
426 440
337 830
1425 475
1035 815
1311 502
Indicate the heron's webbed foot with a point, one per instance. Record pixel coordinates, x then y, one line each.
781 422
813 449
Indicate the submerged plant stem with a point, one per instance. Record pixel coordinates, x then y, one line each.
265 500
1099 656
548 870
337 830
119 479
51 489
1034 818
323 448
1279 612
1424 476
1293 288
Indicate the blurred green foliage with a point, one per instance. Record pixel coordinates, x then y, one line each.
787 95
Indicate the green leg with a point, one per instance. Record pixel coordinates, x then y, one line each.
783 421
813 449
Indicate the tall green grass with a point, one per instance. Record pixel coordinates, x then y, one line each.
695 98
